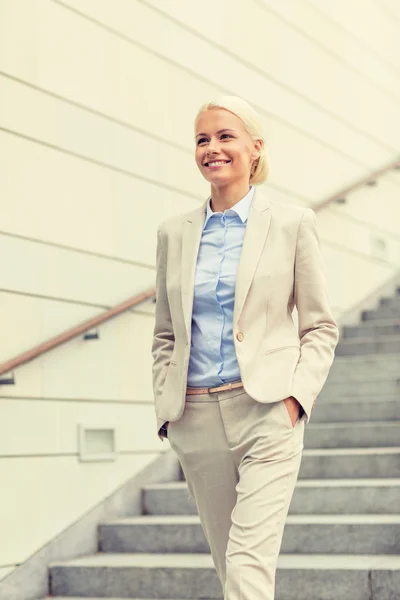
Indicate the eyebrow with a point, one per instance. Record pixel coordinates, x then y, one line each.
220 131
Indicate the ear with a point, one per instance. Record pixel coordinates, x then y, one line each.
257 147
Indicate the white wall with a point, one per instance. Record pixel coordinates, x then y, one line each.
97 101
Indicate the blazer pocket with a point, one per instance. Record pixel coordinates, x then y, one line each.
281 348
173 363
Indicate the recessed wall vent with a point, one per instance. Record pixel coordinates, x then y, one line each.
97 443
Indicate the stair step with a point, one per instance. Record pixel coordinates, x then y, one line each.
311 496
369 388
348 577
350 409
304 534
357 434
365 367
342 496
173 520
390 300
372 329
350 462
383 312
369 345
354 463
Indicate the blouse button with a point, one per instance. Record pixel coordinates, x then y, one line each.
240 336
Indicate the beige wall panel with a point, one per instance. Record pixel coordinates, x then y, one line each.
71 202
395 176
29 427
18 37
59 198
91 136
138 212
39 269
132 355
391 8
370 20
332 38
116 366
112 75
305 67
60 490
357 238
28 381
26 321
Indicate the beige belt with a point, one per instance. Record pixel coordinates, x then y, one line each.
221 388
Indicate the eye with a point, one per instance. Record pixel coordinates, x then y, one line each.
202 140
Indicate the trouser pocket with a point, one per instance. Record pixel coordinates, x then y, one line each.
287 415
163 430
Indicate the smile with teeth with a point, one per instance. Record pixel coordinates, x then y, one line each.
216 163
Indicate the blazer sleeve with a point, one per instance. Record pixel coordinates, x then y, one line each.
318 331
163 334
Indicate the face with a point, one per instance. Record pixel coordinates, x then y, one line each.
221 138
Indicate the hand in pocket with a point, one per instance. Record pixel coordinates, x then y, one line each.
293 408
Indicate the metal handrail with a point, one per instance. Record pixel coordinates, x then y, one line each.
68 335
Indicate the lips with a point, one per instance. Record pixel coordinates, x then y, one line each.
206 164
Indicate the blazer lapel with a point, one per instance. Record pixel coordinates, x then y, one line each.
255 237
191 237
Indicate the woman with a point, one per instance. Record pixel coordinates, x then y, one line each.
234 381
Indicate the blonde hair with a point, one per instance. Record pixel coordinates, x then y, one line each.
261 166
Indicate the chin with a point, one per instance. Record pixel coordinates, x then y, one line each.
219 180
215 176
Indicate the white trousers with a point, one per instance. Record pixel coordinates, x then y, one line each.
241 461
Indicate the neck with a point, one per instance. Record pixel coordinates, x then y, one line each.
224 197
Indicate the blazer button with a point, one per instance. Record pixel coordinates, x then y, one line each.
240 336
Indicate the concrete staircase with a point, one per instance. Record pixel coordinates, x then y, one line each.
342 538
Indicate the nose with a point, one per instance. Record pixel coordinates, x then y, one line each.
213 146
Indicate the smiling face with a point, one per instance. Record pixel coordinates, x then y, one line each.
224 149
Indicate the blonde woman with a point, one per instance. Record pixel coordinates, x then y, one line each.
234 379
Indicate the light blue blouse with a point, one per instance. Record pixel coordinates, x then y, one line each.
212 355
